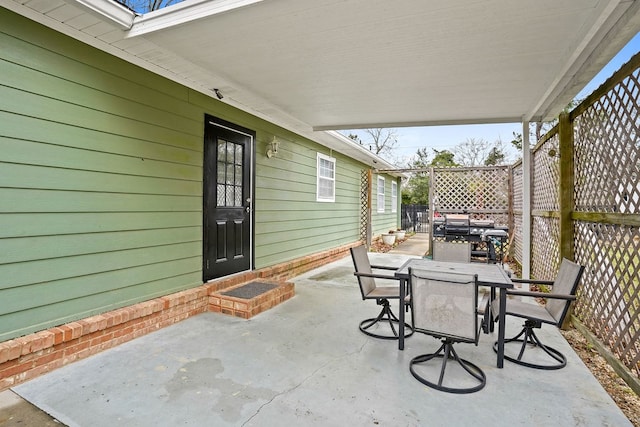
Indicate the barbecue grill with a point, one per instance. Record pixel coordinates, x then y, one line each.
481 237
456 227
438 227
477 227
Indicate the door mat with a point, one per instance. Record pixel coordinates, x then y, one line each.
250 290
251 298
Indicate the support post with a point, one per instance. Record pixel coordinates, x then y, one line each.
566 186
526 202
432 208
369 187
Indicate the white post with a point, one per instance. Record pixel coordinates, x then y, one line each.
526 204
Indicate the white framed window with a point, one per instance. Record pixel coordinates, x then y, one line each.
326 179
380 203
394 196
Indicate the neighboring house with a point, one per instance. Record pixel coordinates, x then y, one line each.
118 185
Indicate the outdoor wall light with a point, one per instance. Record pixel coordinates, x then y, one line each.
272 147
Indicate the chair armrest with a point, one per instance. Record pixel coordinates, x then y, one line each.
376 276
539 282
541 295
384 267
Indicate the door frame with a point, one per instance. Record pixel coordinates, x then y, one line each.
232 127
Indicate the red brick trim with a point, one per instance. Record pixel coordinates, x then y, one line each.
25 358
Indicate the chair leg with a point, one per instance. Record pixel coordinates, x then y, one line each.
386 316
449 354
530 339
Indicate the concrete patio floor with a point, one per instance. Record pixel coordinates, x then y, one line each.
305 363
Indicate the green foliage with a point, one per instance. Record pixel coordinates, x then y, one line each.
517 141
416 191
495 157
443 158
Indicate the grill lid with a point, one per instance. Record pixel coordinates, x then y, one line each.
456 220
456 224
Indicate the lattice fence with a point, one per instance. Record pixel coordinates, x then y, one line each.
607 194
517 205
605 211
609 300
545 247
364 205
546 171
482 192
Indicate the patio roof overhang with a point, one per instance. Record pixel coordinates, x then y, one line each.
317 65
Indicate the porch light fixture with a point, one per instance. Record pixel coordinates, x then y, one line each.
272 148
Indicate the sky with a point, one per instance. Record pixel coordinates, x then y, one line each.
446 137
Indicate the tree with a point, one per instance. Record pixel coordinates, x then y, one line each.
517 141
495 157
443 158
416 191
383 140
472 151
541 128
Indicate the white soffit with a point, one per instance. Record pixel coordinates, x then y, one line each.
374 63
331 64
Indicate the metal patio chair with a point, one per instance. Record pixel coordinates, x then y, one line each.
444 307
382 294
554 311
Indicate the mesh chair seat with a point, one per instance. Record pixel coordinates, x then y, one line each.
553 312
389 292
524 309
445 306
385 325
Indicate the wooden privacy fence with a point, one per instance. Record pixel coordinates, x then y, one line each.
586 206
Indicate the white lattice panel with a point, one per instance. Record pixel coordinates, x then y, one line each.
546 172
607 145
609 298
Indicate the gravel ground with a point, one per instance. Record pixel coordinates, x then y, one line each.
620 392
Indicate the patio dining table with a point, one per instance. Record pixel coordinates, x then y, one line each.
491 275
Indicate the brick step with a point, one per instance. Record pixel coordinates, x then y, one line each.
248 299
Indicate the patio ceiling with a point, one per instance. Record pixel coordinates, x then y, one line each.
363 63
312 65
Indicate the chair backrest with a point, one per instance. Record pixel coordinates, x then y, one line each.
566 283
362 265
444 304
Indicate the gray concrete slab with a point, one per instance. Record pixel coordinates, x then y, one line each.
305 363
417 245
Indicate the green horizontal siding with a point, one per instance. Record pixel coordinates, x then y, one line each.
382 222
101 183
301 225
46 270
43 316
22 298
80 141
43 224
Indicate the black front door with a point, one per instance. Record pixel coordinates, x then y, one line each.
227 199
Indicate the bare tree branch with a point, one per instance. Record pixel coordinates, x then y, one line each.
383 140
